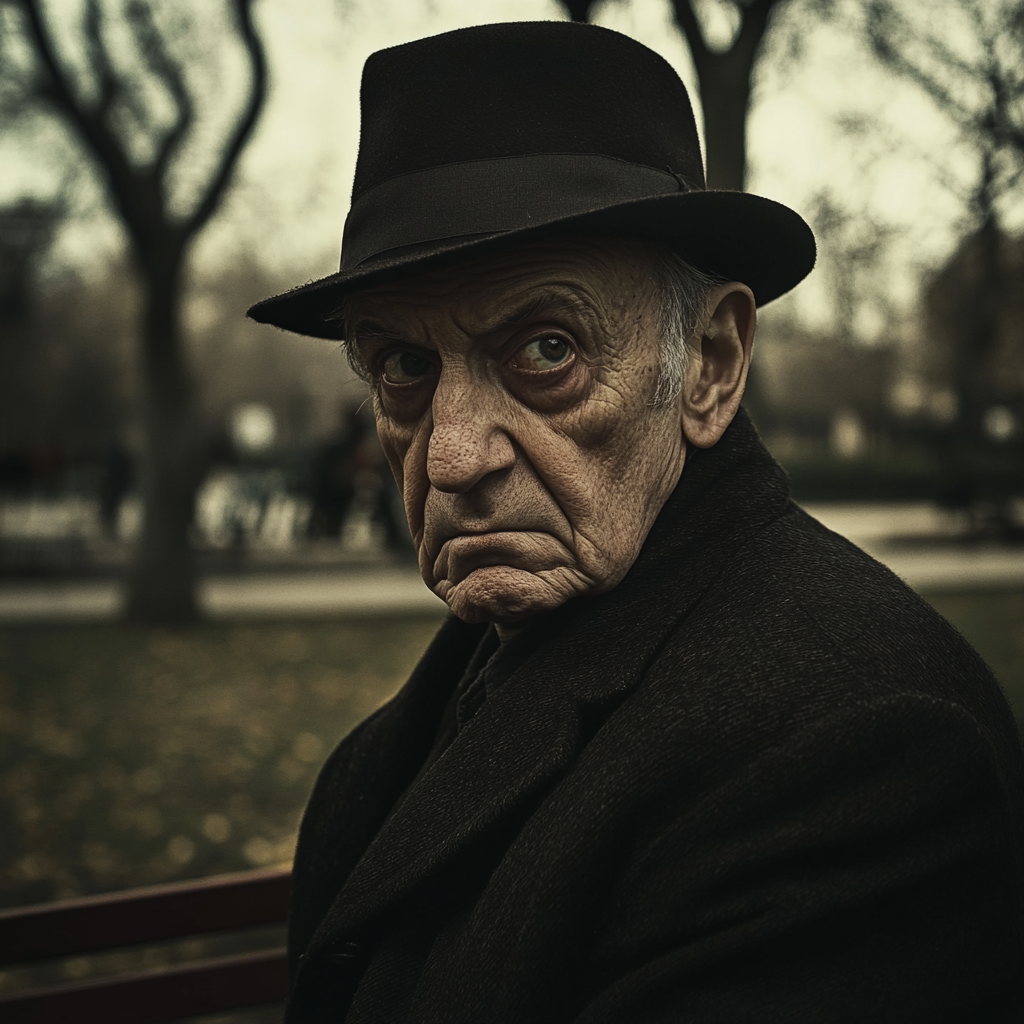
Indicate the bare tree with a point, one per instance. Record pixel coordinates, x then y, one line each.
968 57
724 77
135 120
579 10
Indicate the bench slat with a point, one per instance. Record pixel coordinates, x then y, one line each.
220 903
191 989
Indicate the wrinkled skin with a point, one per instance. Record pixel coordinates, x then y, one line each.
513 401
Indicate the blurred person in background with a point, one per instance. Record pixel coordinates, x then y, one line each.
332 484
116 479
679 752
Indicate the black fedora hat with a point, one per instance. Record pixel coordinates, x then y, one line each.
485 135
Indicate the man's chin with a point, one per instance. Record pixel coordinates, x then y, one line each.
503 594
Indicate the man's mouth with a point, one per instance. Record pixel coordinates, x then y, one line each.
519 549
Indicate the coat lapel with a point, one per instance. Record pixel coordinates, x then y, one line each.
592 654
365 776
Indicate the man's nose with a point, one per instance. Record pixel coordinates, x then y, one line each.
468 440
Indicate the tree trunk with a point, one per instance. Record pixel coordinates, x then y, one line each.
161 586
725 96
724 79
962 447
975 378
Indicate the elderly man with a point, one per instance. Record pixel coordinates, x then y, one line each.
678 753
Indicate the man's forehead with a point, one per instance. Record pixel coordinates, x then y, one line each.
506 288
477 313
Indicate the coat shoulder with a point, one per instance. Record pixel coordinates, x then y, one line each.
798 601
802 624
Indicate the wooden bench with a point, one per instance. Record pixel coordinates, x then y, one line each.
74 928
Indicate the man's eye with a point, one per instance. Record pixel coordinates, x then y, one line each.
406 367
543 353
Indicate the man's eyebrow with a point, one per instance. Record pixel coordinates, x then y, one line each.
368 329
371 330
544 302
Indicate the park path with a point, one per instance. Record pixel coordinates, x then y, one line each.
916 541
378 590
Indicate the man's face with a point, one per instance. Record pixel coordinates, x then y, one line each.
513 405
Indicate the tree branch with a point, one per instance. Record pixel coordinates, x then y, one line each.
689 25
97 136
107 83
885 30
989 117
753 24
169 72
16 87
246 123
578 10
890 36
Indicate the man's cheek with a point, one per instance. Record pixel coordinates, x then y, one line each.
596 423
396 465
396 443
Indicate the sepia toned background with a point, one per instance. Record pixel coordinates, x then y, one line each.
205 580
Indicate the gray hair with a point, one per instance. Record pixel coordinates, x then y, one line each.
683 293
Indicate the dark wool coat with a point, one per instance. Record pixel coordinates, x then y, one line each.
759 781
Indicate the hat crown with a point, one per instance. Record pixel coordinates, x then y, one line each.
488 136
520 89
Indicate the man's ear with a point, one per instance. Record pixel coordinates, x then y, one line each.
719 360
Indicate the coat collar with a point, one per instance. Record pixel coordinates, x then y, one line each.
589 656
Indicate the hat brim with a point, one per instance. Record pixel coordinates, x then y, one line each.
739 236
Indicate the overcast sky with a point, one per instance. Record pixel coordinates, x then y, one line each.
292 192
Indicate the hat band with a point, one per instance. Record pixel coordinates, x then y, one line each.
486 196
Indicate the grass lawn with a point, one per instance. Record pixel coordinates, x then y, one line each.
132 756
